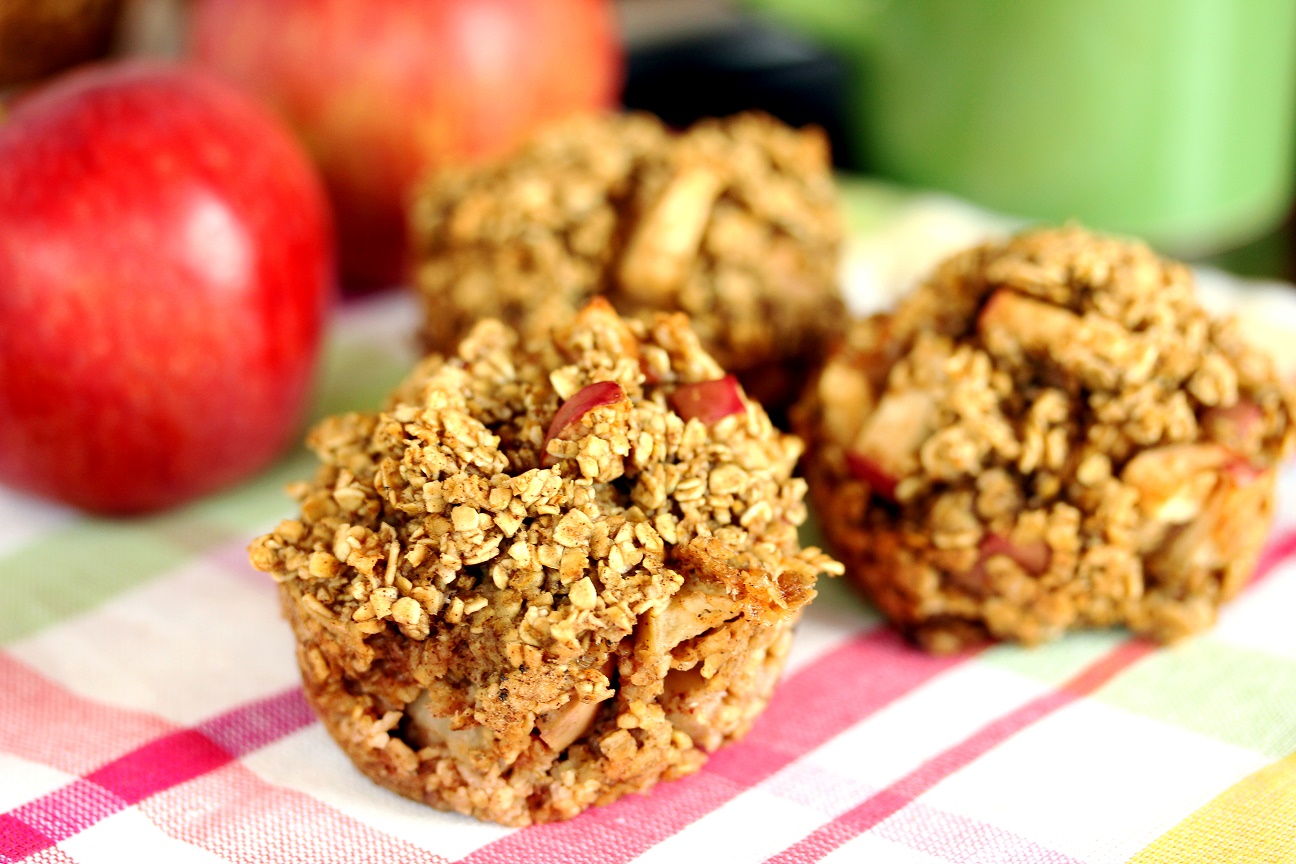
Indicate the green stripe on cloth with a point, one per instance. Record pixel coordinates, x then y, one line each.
358 376
254 507
73 569
1056 661
1238 695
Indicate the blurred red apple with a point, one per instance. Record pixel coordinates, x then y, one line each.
383 91
166 266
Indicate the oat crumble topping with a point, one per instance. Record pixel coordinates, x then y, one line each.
1050 433
734 221
520 642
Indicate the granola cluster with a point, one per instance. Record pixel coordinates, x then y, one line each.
1049 434
542 578
734 222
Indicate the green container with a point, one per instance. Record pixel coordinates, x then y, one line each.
1169 119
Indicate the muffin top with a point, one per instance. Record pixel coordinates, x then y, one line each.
1059 354
732 221
534 503
1050 432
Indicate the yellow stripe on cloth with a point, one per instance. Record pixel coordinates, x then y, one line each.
1253 821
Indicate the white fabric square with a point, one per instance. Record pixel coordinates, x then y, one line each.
26 781
309 761
185 646
1093 781
128 837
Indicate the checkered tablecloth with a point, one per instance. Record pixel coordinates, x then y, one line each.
150 707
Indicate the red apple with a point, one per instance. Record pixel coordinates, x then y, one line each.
165 269
382 91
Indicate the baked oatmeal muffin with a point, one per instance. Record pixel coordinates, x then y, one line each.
1049 434
734 222
539 580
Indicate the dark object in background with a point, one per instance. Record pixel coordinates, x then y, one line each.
739 66
40 37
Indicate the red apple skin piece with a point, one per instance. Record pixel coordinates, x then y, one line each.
708 401
886 448
1033 557
384 91
166 266
1239 427
581 403
877 477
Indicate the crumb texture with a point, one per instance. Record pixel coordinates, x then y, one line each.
529 585
1050 433
734 222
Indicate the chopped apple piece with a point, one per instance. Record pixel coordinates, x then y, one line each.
708 401
1033 557
667 237
1033 325
1239 427
1173 482
425 730
574 409
1228 526
1097 351
691 705
887 447
694 609
562 726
